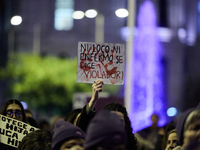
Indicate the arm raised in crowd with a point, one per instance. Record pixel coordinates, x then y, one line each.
96 88
82 117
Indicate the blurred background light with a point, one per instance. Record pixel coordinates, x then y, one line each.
63 15
147 77
121 13
164 34
24 105
172 111
78 15
91 13
63 19
182 34
16 20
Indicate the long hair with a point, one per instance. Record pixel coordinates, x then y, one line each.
71 116
132 140
13 101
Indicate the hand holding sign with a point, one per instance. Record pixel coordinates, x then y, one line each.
97 87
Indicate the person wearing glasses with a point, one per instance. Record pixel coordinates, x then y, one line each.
13 109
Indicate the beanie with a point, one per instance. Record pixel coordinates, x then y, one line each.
180 122
64 131
106 128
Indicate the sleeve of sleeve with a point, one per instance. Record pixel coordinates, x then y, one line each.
86 116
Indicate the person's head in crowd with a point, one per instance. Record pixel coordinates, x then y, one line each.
73 116
188 128
31 121
122 112
172 140
192 121
192 130
28 113
44 124
154 119
36 140
167 129
13 109
67 136
106 132
54 119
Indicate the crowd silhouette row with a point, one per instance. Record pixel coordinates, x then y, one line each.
109 129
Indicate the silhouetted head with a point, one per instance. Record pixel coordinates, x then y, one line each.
154 119
36 140
106 132
116 107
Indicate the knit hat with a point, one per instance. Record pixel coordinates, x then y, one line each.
180 123
105 129
64 131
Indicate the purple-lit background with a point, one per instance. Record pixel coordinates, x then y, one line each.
147 77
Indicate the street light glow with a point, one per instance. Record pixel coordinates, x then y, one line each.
16 20
78 15
121 13
172 111
91 13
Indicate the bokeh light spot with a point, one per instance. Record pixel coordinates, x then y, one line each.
172 111
24 105
16 20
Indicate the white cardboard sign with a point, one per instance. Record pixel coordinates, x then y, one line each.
12 131
103 61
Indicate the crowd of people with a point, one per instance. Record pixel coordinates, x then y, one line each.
109 129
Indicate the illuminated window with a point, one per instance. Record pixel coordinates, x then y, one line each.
63 14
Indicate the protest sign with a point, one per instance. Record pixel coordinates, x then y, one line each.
12 131
103 61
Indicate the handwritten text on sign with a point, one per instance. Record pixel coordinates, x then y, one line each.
104 61
12 131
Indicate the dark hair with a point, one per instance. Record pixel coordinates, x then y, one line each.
36 140
172 131
132 140
71 116
43 124
32 122
6 147
58 146
104 147
28 111
13 101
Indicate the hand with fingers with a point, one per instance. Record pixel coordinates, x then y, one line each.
97 87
